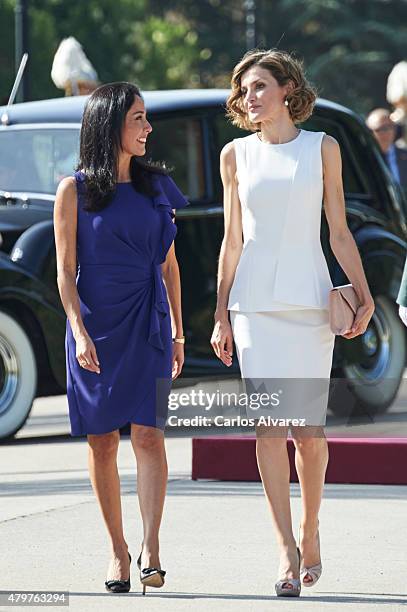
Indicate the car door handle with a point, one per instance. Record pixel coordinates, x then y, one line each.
200 211
7 199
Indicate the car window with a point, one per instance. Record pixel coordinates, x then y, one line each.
226 131
178 142
37 159
223 132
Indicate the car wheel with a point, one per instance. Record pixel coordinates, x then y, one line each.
373 364
18 375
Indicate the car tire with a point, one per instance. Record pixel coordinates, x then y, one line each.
18 375
373 365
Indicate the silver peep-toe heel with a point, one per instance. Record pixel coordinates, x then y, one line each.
294 590
314 571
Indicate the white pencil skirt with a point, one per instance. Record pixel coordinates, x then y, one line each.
290 353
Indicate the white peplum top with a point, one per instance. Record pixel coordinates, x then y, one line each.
282 265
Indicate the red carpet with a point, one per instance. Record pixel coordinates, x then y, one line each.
351 460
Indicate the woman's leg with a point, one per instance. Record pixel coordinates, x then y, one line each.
102 459
274 468
311 460
152 474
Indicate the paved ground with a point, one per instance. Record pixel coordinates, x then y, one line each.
216 539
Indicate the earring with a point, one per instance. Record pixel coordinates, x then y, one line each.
286 102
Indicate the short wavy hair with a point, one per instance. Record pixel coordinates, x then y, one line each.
284 68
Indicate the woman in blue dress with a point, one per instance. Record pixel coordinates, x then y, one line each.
117 276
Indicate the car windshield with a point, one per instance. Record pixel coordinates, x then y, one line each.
35 160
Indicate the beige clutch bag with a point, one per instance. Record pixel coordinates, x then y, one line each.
343 304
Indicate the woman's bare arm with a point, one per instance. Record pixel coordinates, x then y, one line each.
171 278
340 237
232 243
65 226
230 252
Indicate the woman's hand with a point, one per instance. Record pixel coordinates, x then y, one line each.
222 341
363 315
177 359
403 314
86 354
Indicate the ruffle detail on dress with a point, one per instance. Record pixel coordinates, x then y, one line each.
168 197
169 229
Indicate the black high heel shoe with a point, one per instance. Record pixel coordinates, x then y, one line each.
150 576
118 586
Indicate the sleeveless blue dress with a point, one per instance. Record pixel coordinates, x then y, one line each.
125 310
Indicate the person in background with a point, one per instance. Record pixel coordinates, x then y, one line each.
396 96
384 130
395 156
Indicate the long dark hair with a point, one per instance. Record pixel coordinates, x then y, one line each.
100 143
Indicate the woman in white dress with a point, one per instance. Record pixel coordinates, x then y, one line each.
276 282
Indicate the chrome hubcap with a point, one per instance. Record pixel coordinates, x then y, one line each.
8 374
375 350
370 342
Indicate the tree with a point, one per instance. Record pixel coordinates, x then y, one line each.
121 38
348 46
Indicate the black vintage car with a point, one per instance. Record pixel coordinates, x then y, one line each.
39 145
